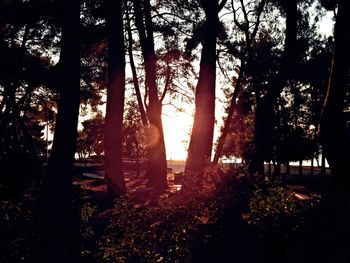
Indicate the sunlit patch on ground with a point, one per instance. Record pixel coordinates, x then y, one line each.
139 192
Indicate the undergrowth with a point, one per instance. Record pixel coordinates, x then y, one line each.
276 210
165 233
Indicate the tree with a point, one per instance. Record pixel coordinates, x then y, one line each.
200 147
244 58
334 136
57 188
156 158
265 118
115 100
90 138
134 141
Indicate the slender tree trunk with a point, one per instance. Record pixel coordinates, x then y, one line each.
115 100
334 137
228 120
276 170
8 116
312 167
60 228
140 103
200 147
323 163
300 167
156 163
134 73
264 116
245 57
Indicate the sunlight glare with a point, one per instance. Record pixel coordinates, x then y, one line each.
177 126
152 135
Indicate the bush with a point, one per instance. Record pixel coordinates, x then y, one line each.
276 210
164 233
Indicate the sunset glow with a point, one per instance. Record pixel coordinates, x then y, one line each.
177 126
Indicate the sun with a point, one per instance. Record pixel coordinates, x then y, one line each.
177 126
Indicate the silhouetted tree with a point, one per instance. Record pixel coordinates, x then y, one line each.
334 136
134 141
200 147
245 57
61 231
265 118
91 137
115 100
156 158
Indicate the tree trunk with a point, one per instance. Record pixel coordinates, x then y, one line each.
300 167
60 228
200 147
264 116
312 167
246 56
230 113
115 100
323 163
134 73
156 163
276 170
334 137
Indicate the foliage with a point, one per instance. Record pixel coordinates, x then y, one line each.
164 233
275 209
134 141
21 225
90 138
18 225
18 171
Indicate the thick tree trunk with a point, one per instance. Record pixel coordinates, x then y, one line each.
115 100
263 139
156 163
200 147
60 228
334 137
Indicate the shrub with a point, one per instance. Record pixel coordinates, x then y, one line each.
164 233
276 209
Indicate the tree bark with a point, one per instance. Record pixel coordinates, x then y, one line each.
156 163
115 100
334 137
200 147
61 231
